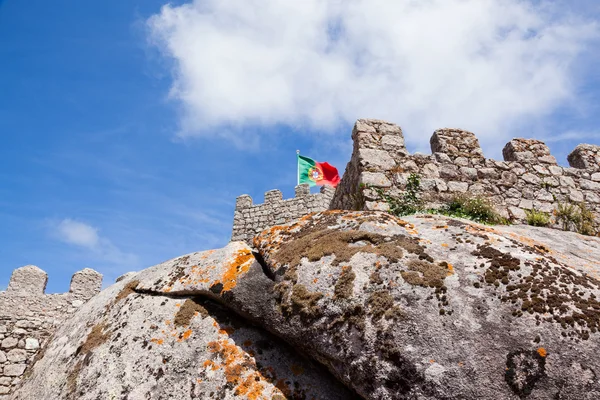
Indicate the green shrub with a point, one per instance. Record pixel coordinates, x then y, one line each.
478 208
410 201
537 218
576 217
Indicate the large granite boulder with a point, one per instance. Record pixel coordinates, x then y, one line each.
130 343
427 307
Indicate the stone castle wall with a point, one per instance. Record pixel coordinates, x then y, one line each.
249 219
29 317
529 177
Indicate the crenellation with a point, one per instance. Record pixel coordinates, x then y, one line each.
585 156
243 202
529 177
461 146
29 317
248 221
273 196
28 280
302 191
528 151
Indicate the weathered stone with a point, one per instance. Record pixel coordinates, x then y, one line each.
458 186
576 196
176 348
527 151
589 185
456 143
470 173
28 280
393 142
431 171
17 356
2 357
531 178
32 344
585 156
377 159
488 173
9 343
14 369
375 179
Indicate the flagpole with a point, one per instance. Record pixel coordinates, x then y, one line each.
298 164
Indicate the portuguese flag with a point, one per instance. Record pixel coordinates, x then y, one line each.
316 173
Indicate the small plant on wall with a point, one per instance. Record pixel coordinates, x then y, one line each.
575 217
478 208
537 218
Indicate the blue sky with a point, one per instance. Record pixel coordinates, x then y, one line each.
129 127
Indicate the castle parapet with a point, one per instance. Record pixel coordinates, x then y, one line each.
29 317
249 219
528 178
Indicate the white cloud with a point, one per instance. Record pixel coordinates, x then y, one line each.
86 236
77 233
482 65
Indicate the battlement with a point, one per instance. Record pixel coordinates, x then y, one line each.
31 281
528 178
29 317
249 218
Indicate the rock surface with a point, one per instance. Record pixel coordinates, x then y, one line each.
427 307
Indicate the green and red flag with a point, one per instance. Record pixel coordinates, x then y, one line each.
316 173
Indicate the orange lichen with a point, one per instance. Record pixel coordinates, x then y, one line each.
444 244
542 352
450 269
187 334
157 341
239 265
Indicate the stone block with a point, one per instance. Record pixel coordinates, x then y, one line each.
470 173
9 343
589 185
531 179
377 179
2 357
488 173
517 213
377 159
14 369
393 143
460 187
17 356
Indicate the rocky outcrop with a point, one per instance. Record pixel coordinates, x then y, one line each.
426 307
